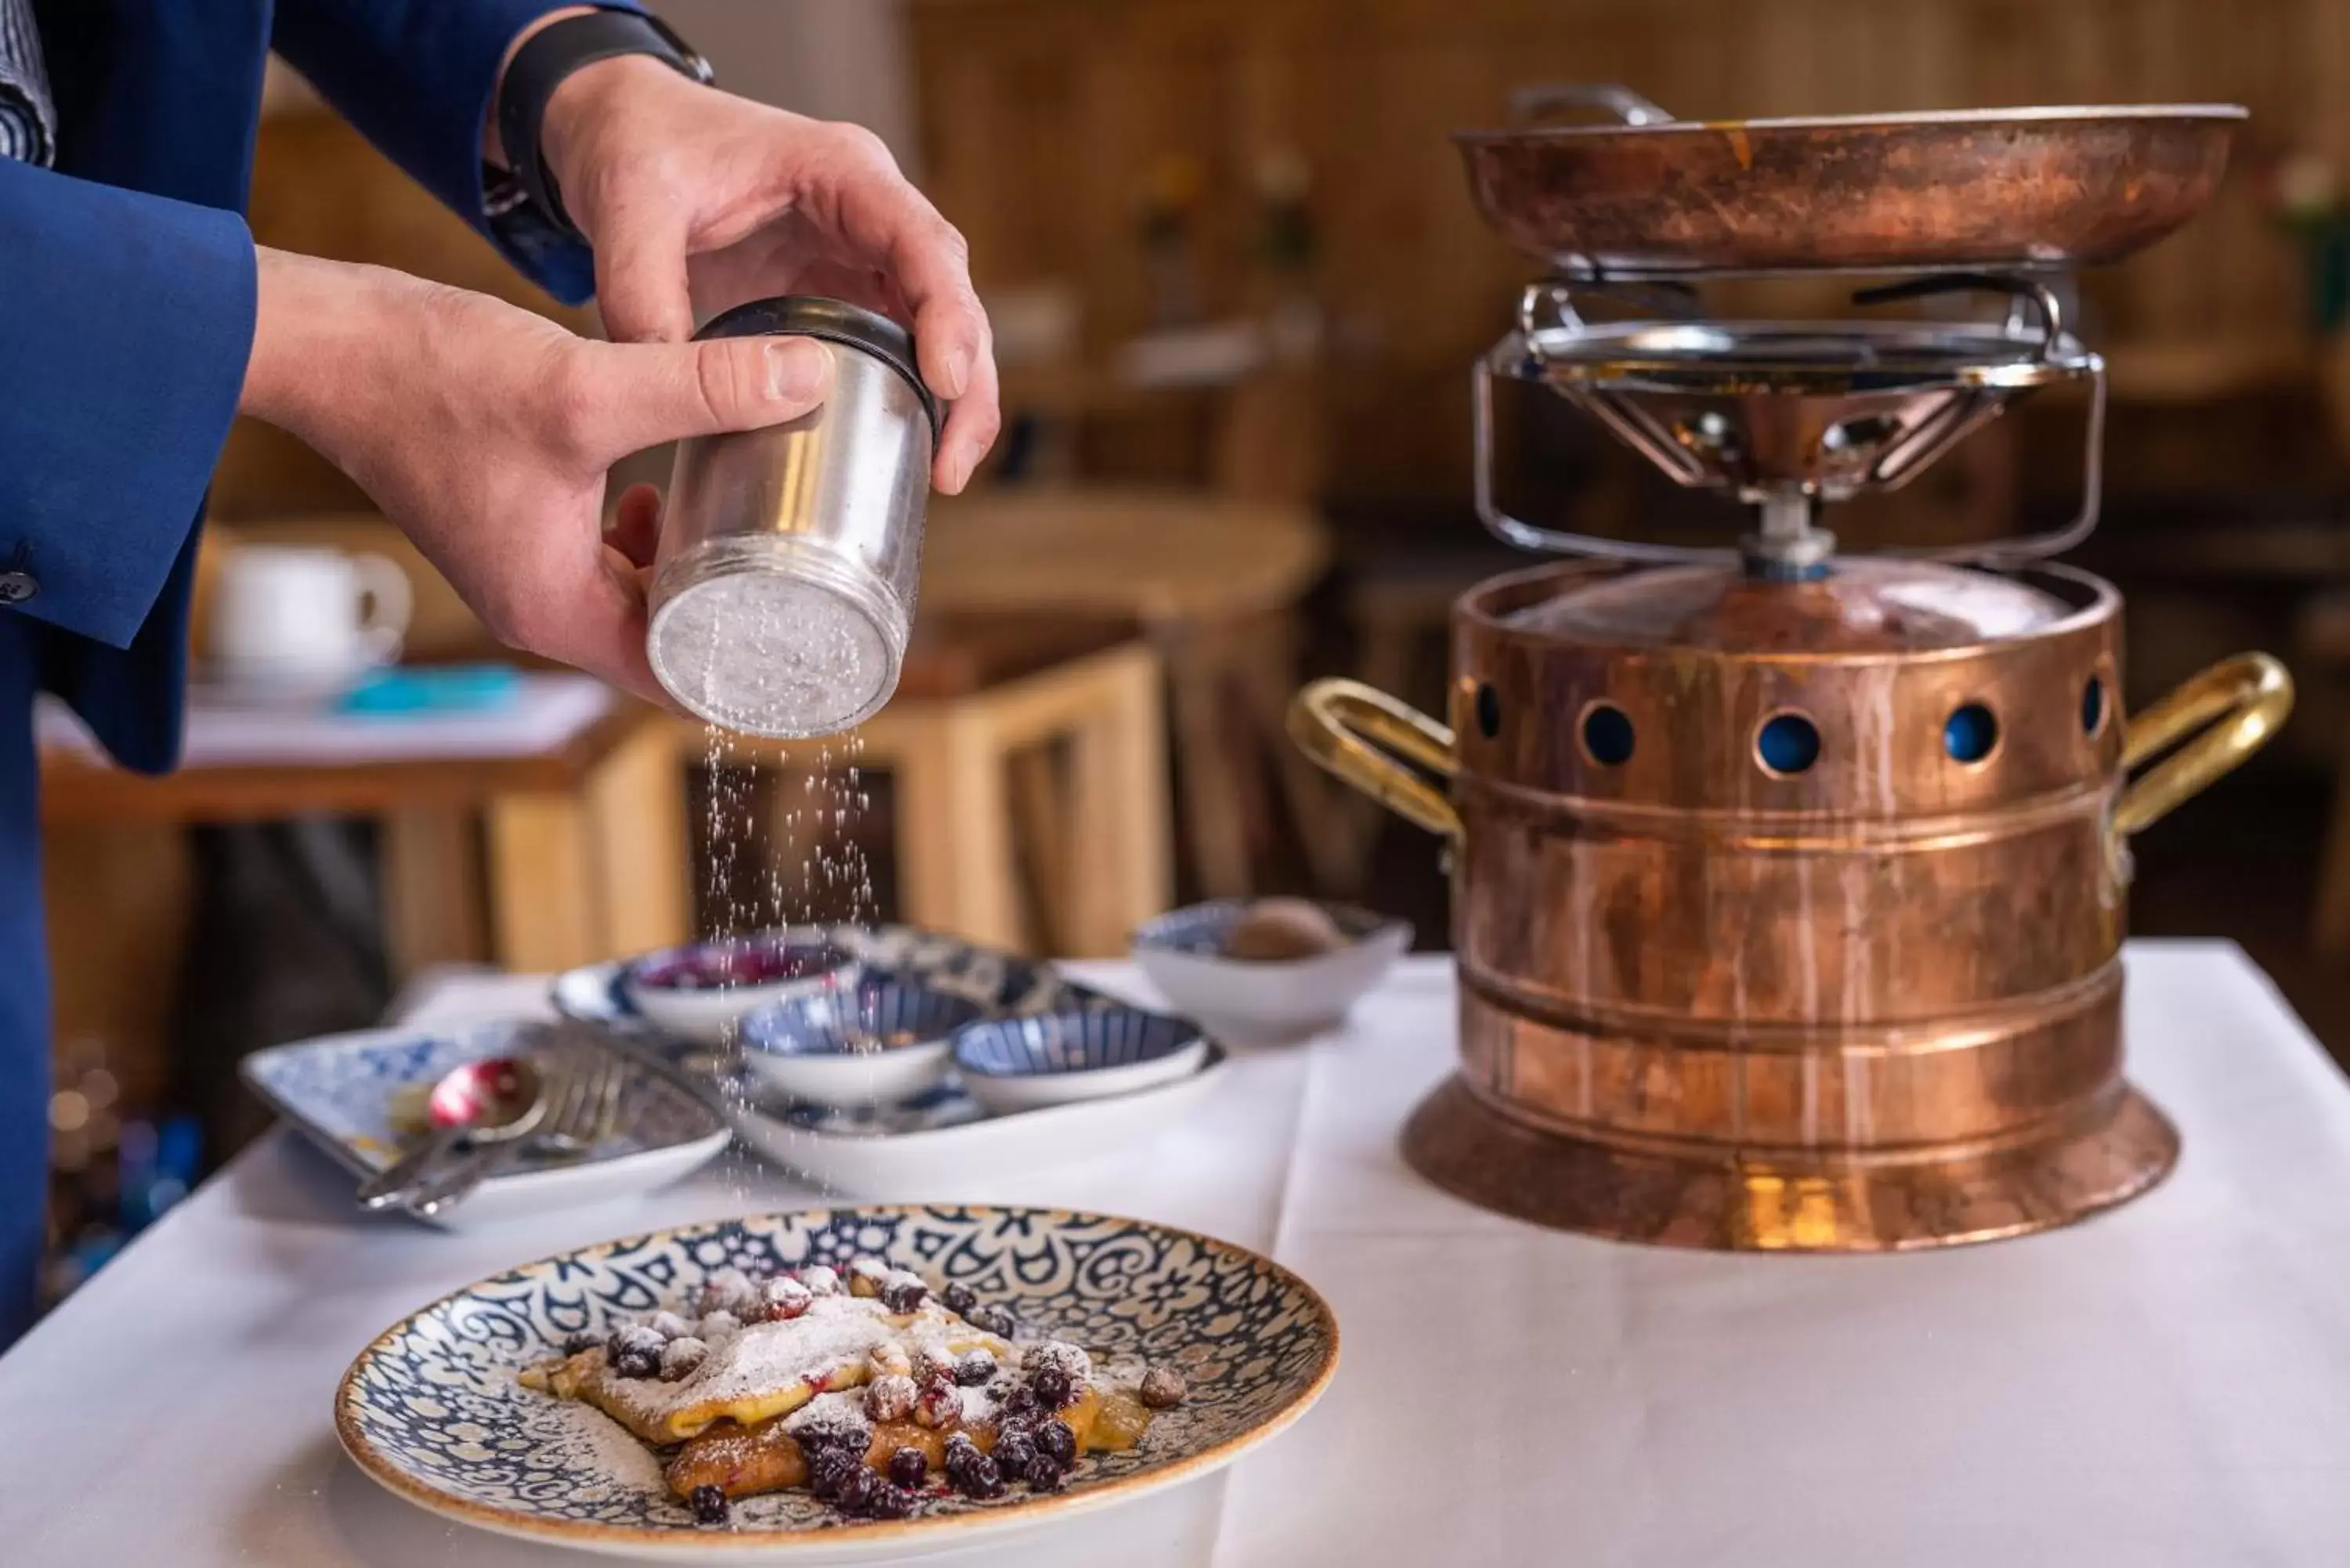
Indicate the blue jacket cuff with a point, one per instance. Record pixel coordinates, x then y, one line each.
125 323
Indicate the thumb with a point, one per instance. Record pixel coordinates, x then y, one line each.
642 289
656 393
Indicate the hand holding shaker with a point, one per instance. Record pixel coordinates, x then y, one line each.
783 585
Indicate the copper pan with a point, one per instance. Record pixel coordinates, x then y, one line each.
2003 189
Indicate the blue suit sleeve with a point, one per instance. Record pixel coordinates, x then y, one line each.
126 320
415 76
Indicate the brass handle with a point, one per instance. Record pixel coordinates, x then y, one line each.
1343 724
2243 700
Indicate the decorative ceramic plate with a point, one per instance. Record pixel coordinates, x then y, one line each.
347 1092
432 1409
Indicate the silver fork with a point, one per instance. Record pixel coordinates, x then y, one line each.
582 1110
589 1108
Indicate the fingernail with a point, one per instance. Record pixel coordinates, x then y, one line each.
955 373
797 368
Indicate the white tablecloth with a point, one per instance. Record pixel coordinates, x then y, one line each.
2170 1385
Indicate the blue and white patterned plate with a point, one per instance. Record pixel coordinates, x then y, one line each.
346 1092
433 1410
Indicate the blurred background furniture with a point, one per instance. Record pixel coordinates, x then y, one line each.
1217 585
1026 776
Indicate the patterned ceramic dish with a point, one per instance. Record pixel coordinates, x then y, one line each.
943 1142
881 1044
699 992
1000 983
346 1093
1257 1000
1079 1054
432 1409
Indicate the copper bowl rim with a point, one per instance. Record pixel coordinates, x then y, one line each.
2097 601
2068 115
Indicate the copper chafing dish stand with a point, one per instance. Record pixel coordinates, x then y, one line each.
1788 886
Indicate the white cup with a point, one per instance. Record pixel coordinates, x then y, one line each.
305 617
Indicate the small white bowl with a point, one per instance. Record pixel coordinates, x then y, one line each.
881 1044
1261 1002
1081 1053
693 992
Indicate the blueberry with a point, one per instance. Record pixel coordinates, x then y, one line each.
1020 1401
1057 1440
1014 1447
975 1368
638 1362
959 1298
1042 1474
909 1468
978 1476
829 1470
903 1293
995 1320
889 1503
709 1504
855 1490
1055 1390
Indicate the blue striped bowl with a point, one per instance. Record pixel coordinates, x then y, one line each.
881 1044
1052 1058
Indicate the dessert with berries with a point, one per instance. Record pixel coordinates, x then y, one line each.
860 1386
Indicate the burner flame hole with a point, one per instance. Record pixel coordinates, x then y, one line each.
1971 733
1607 735
1489 711
1787 743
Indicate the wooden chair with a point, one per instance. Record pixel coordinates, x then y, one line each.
1215 586
1030 772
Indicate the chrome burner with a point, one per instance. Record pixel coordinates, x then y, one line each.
1789 415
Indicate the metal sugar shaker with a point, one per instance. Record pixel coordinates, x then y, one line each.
783 585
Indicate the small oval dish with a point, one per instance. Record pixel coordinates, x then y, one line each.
882 1043
1190 955
701 991
1055 1058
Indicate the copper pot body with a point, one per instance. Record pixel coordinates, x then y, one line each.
1872 1003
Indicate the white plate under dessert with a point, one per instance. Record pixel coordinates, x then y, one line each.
764 1388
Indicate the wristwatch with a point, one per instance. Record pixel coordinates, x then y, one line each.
541 65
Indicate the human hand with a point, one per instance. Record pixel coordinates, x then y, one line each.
698 200
485 433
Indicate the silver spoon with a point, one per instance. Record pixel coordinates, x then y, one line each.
583 1091
486 1102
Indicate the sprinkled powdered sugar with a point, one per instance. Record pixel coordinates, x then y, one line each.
760 1360
583 1442
1057 1355
829 1419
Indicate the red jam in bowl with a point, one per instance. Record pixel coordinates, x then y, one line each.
714 966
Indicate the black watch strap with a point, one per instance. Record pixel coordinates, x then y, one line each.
541 65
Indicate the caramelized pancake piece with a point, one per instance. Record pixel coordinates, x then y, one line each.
743 1463
764 1370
